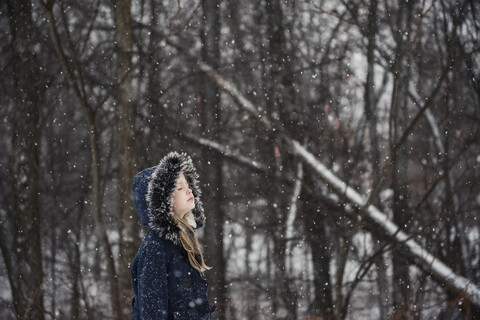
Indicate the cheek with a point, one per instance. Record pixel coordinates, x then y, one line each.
175 199
179 198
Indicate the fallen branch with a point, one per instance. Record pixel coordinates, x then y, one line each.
419 256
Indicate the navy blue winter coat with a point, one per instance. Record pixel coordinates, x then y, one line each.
165 285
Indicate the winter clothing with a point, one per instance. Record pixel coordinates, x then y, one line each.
166 286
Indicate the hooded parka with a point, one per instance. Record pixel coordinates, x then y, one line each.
165 284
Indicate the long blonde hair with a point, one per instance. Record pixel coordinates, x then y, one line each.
189 242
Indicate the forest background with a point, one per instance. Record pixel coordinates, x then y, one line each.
337 144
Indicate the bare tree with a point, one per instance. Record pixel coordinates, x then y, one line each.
376 102
25 268
416 253
213 166
128 226
399 110
80 94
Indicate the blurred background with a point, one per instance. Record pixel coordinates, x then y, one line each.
281 105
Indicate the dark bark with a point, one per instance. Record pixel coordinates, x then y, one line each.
315 224
27 291
76 85
212 120
370 105
98 219
128 226
370 101
401 292
402 215
74 265
430 59
278 84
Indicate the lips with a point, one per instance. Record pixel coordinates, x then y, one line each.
191 199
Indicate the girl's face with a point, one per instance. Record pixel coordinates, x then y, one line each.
182 197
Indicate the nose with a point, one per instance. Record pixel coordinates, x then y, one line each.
189 190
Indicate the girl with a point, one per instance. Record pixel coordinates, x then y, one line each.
167 272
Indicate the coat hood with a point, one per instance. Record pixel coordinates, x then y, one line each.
152 190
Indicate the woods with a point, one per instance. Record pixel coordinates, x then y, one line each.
337 144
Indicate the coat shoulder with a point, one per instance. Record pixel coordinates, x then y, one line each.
154 243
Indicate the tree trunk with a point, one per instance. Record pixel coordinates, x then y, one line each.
53 268
97 217
417 254
278 83
74 265
76 268
27 292
129 228
315 230
401 213
95 158
369 102
401 278
212 165
371 117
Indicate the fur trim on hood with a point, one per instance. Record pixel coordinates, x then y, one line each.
152 190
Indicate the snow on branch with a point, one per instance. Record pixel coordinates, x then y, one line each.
226 152
416 251
292 213
419 255
233 91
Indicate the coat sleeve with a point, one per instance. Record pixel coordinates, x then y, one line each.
152 282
